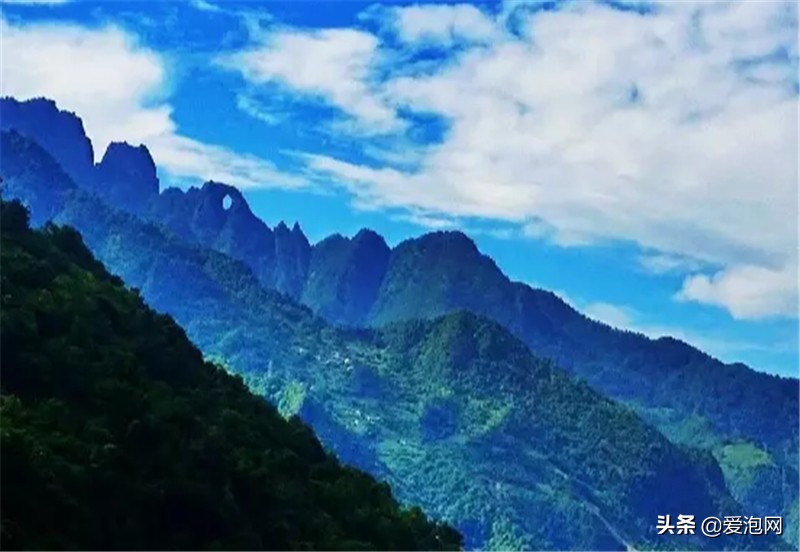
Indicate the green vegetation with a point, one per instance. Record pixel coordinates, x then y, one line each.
692 398
455 413
116 434
745 455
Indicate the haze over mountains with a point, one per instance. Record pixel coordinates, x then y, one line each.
464 394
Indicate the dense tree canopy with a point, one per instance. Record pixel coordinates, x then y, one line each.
117 434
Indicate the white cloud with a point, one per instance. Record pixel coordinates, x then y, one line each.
187 158
252 107
34 2
426 221
661 263
119 88
675 130
746 291
443 24
205 6
81 69
333 64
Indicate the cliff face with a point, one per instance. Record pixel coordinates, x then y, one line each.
215 215
218 216
60 133
345 275
126 176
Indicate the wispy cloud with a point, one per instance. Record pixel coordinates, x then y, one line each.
34 2
662 263
121 91
253 108
673 127
205 6
427 221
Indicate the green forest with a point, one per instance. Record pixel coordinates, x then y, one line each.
456 414
116 433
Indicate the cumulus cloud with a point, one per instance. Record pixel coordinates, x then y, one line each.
332 64
81 70
443 24
674 129
120 90
746 291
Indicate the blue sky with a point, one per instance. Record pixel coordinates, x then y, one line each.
637 158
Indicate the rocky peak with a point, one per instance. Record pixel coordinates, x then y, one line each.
60 133
126 176
441 245
216 207
292 254
450 238
370 240
217 191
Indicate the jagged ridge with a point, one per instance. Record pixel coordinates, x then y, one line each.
360 281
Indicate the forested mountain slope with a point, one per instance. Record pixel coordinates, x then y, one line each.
360 281
748 419
456 414
116 434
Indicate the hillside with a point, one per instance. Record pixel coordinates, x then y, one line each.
520 435
693 398
116 434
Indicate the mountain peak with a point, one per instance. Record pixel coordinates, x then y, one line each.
215 188
126 176
449 246
127 148
369 243
40 104
224 198
449 238
368 235
59 132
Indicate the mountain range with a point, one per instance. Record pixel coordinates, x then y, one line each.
495 406
116 433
